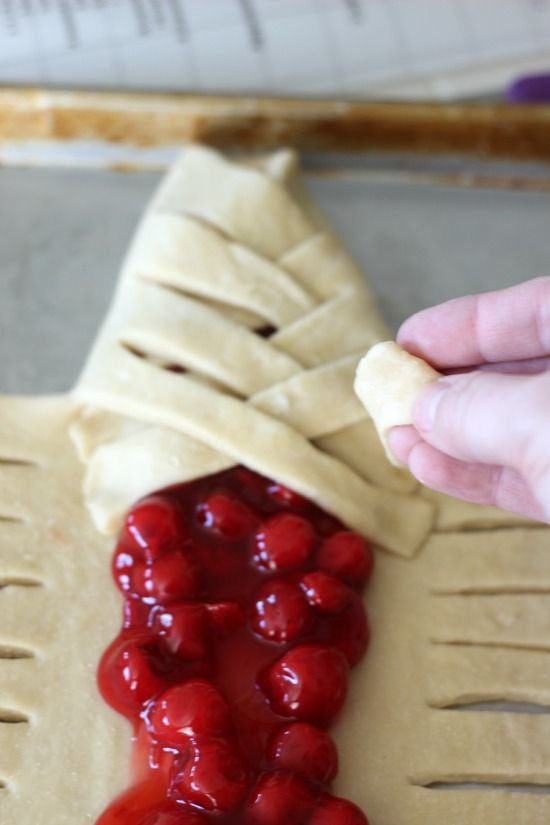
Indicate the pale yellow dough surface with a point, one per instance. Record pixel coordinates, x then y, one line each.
63 752
388 380
458 612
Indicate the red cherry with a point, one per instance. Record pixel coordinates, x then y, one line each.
193 708
348 556
125 559
174 576
332 810
327 525
171 817
251 481
155 525
309 683
349 630
213 777
325 592
226 515
226 616
280 797
284 541
284 495
304 749
129 673
280 612
184 626
135 614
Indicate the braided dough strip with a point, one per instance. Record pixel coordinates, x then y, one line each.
225 260
135 387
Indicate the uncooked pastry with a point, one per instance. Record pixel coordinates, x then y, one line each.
388 380
456 616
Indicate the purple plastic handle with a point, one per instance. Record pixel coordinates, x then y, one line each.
530 89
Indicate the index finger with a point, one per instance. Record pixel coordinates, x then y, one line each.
506 325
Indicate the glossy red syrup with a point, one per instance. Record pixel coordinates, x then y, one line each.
242 618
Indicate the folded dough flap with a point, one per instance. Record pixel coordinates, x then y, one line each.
388 380
211 388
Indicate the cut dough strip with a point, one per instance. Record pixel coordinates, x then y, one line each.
324 269
26 620
388 381
329 384
184 331
17 483
183 253
519 621
484 747
248 206
339 327
468 675
18 686
14 741
471 806
499 561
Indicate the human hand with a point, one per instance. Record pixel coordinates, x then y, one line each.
482 431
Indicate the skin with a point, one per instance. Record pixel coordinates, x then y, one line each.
482 431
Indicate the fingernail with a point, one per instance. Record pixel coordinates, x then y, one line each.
425 407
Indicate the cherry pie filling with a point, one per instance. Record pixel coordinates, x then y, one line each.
242 618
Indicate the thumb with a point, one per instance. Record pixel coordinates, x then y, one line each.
488 418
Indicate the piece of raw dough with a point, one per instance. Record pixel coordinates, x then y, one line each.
387 381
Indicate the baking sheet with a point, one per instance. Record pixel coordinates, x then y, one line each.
423 230
63 233
40 123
